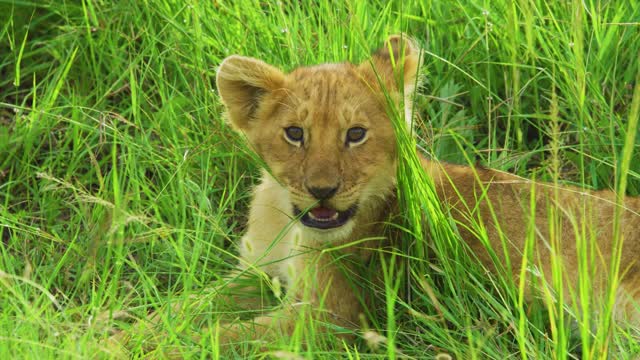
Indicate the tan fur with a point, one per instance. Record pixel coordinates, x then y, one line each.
326 100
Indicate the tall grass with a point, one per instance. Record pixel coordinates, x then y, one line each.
122 189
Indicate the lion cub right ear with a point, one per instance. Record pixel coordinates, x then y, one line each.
395 64
242 82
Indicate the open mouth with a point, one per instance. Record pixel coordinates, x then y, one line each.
322 217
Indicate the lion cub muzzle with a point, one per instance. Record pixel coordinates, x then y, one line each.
324 215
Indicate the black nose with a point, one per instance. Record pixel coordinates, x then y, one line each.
322 193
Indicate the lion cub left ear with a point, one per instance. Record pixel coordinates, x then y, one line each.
242 83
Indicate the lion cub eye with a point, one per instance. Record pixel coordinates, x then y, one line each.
356 135
294 135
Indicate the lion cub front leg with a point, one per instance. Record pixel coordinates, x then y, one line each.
320 290
240 290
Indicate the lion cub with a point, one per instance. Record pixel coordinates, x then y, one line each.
330 148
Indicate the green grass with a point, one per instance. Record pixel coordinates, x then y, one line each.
123 189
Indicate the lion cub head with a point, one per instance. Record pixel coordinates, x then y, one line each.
324 130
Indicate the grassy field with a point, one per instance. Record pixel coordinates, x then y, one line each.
122 189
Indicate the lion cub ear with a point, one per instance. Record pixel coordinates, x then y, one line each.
396 63
242 82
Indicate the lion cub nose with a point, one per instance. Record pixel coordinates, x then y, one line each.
322 193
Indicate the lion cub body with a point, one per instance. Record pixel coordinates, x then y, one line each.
292 220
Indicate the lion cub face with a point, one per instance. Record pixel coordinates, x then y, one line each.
323 130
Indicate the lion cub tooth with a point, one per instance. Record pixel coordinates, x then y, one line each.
332 218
